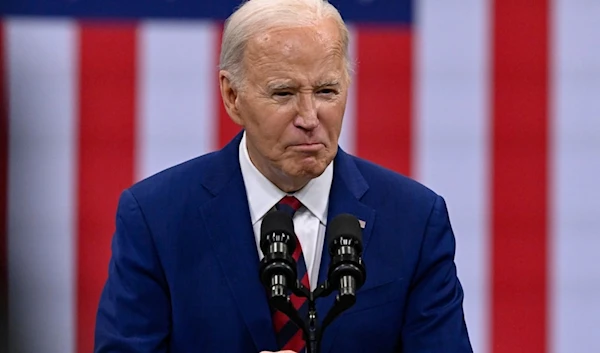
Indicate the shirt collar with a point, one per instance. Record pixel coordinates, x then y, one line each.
263 195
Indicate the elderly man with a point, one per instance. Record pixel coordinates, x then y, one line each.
184 272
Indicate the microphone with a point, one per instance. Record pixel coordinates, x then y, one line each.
347 271
278 242
277 270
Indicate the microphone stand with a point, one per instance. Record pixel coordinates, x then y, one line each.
310 326
346 270
312 335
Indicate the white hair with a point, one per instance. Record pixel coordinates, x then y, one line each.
257 16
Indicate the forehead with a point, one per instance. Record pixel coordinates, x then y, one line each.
311 50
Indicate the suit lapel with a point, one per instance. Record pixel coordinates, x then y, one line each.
346 190
227 219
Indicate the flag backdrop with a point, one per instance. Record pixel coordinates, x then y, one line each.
494 104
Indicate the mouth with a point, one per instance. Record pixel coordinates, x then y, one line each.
307 147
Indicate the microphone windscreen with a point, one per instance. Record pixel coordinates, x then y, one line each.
278 222
344 225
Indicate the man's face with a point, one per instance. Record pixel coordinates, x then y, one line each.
293 100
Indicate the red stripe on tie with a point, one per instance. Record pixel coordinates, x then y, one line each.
227 129
384 94
107 112
3 195
296 343
520 176
279 320
291 201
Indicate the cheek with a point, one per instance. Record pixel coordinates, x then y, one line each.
271 132
331 118
265 119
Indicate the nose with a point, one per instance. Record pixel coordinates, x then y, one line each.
307 118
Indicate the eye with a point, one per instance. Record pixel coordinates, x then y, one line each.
282 94
327 91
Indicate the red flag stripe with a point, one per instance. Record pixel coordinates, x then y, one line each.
107 99
227 129
384 94
519 179
3 195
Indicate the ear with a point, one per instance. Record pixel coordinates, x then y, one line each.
229 94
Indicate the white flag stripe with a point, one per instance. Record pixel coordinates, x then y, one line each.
451 136
348 136
177 93
575 290
41 69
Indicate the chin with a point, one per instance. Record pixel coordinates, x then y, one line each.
308 167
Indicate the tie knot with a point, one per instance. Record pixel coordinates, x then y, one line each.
289 204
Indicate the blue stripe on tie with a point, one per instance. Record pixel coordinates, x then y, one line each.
287 209
301 266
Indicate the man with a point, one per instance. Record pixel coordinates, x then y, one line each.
184 272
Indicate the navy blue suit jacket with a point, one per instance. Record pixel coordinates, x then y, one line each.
183 275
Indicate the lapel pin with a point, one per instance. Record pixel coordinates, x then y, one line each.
362 223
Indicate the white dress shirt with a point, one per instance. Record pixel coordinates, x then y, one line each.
309 221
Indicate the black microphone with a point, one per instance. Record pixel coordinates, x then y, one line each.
347 271
278 242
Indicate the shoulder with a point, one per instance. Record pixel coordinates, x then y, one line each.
395 192
196 179
384 180
173 186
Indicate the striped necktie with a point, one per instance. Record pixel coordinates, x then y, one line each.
289 336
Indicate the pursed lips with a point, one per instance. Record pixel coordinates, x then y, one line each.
308 147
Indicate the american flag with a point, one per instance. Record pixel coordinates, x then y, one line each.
494 104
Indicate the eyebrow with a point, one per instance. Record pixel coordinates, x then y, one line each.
277 86
280 86
326 83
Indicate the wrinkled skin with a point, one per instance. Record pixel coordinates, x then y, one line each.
291 101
